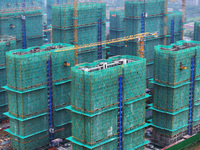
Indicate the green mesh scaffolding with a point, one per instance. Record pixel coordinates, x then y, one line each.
168 61
88 17
40 139
96 96
170 123
177 17
11 24
95 107
176 96
197 31
134 27
174 82
117 27
18 4
134 8
7 43
3 98
196 117
27 89
3 109
50 3
153 22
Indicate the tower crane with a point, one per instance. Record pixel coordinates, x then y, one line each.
140 37
75 32
165 20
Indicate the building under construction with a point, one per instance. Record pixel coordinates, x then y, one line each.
90 28
7 43
143 17
23 21
68 90
140 17
176 96
197 31
108 113
117 27
38 88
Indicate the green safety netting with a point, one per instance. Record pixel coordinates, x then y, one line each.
117 27
3 109
29 70
11 24
27 79
29 127
168 62
38 123
135 8
18 4
117 19
100 88
177 17
112 144
153 22
28 104
95 129
172 87
95 103
88 17
170 134
61 117
2 78
197 31
7 43
39 139
27 89
132 139
171 122
63 131
31 142
196 114
171 99
3 98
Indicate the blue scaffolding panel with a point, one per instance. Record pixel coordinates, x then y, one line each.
50 101
120 113
172 30
99 40
191 96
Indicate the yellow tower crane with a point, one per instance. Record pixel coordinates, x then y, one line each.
183 18
75 32
140 37
165 19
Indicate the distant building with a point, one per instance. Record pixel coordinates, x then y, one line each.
190 2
